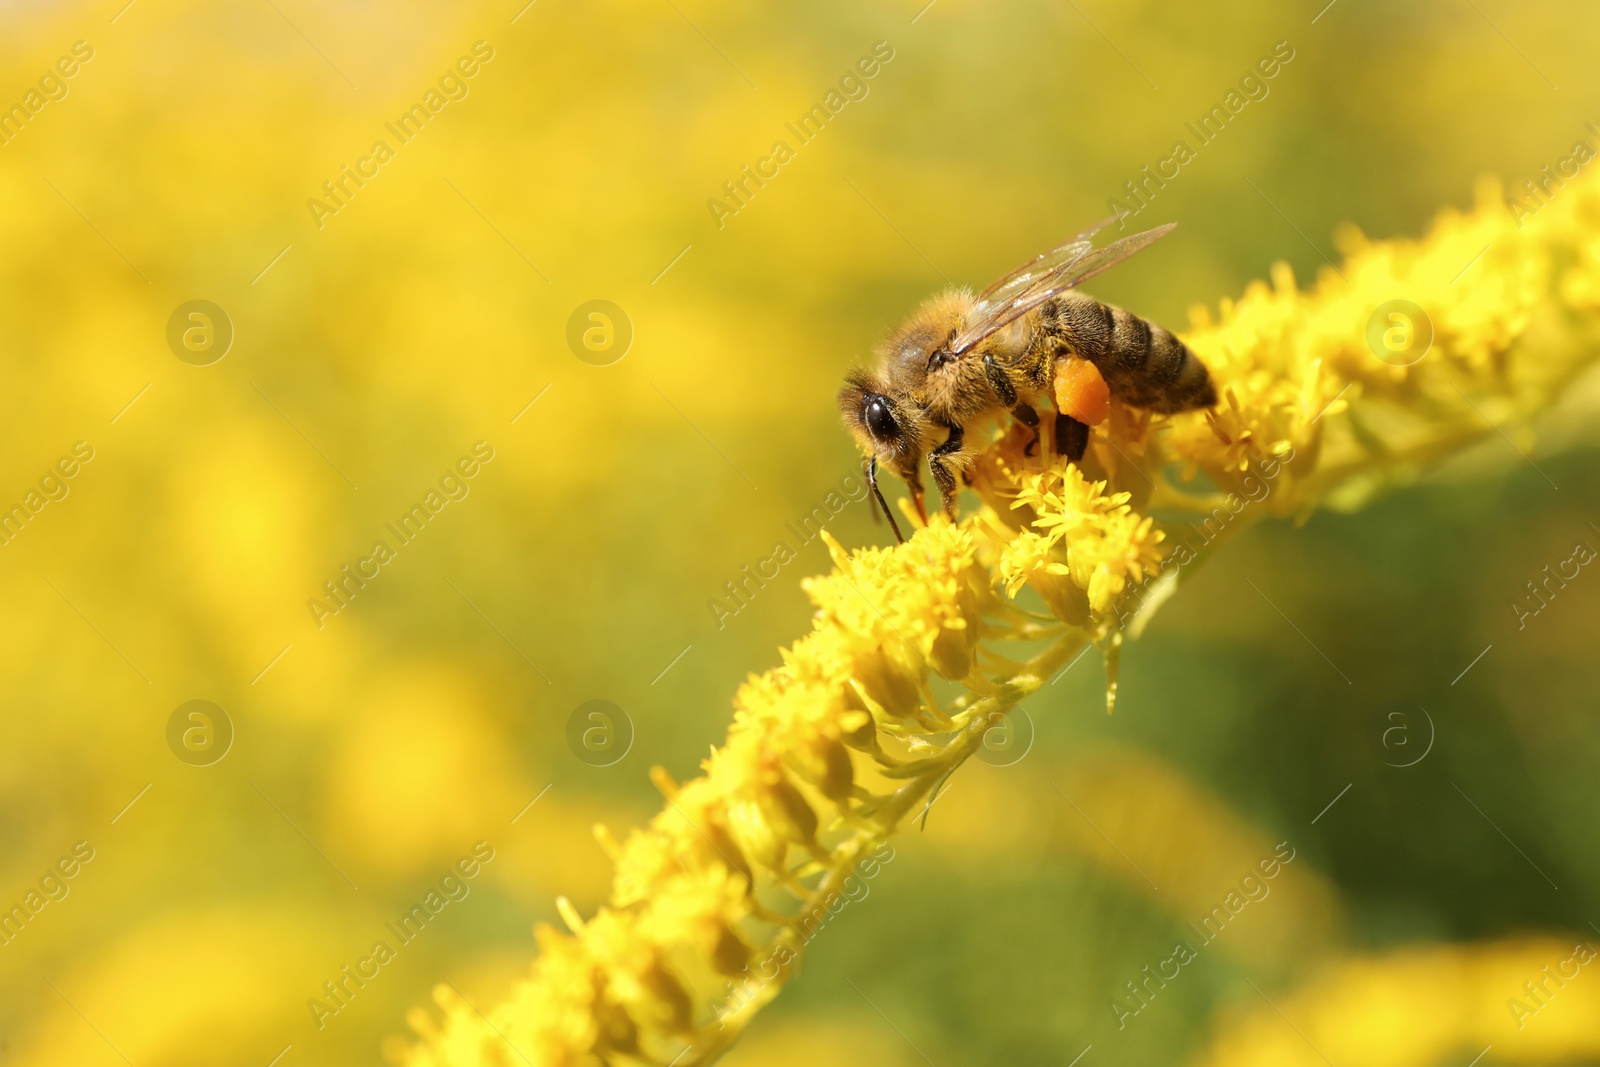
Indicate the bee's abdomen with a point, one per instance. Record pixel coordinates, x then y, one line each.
1142 363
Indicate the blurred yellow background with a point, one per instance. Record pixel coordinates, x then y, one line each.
393 329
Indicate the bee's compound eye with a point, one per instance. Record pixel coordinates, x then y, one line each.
880 421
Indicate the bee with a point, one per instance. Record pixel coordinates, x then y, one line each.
961 359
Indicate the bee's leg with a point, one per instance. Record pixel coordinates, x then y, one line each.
1004 391
917 493
940 467
1072 437
1029 418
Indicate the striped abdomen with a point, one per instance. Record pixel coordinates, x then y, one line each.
1143 364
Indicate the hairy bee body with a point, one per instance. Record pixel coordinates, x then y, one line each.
962 359
1144 365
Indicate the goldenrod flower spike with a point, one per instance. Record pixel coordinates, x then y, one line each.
1528 998
1326 398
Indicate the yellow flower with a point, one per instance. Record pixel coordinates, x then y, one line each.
1107 545
1417 1006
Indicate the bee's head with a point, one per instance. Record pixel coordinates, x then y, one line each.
887 425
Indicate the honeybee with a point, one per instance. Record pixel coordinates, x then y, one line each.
962 359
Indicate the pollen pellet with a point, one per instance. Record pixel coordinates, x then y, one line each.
1081 392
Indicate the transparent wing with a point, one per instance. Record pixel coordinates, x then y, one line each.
1044 261
1046 276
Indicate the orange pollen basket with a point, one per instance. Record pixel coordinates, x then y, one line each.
1081 392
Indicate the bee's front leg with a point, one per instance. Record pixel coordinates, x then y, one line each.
917 494
939 464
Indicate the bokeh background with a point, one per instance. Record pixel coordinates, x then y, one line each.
372 351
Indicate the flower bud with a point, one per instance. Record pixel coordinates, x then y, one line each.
666 998
951 654
789 814
729 954
886 684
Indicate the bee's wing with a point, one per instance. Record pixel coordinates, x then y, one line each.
1049 275
1044 260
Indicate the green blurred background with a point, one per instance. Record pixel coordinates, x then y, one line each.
372 352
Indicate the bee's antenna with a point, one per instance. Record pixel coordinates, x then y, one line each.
872 480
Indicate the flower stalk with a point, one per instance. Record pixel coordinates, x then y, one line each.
1327 400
